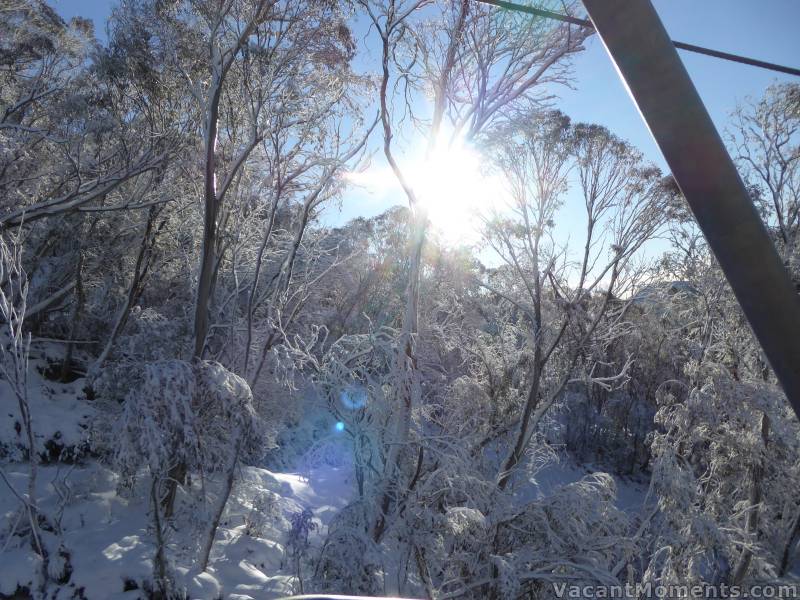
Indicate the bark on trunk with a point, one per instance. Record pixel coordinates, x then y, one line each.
746 557
220 509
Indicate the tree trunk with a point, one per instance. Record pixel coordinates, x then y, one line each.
66 365
787 548
746 557
407 390
135 289
211 209
223 501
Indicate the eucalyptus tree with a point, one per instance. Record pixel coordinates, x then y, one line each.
569 298
308 160
67 146
87 137
505 344
266 67
725 446
765 136
272 116
478 66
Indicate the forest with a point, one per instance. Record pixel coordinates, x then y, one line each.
527 375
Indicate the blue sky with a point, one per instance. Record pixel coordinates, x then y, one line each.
763 29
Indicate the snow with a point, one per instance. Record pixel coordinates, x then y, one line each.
61 417
107 530
103 532
326 491
110 542
630 497
108 533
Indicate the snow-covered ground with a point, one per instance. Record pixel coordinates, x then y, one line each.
60 412
107 536
105 546
631 493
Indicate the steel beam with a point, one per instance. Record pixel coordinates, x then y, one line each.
650 67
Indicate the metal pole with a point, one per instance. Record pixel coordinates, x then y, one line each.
670 105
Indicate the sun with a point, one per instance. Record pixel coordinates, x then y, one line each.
453 187
451 183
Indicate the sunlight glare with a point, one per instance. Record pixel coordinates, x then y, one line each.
451 184
454 189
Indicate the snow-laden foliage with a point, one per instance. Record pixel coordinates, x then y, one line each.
184 413
349 560
726 455
263 513
572 535
178 310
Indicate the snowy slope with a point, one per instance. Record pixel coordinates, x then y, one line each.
109 541
631 493
106 529
60 413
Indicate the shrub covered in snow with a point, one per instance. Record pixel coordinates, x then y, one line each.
723 459
185 413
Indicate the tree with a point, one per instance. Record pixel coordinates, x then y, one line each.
53 106
570 313
481 66
766 138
